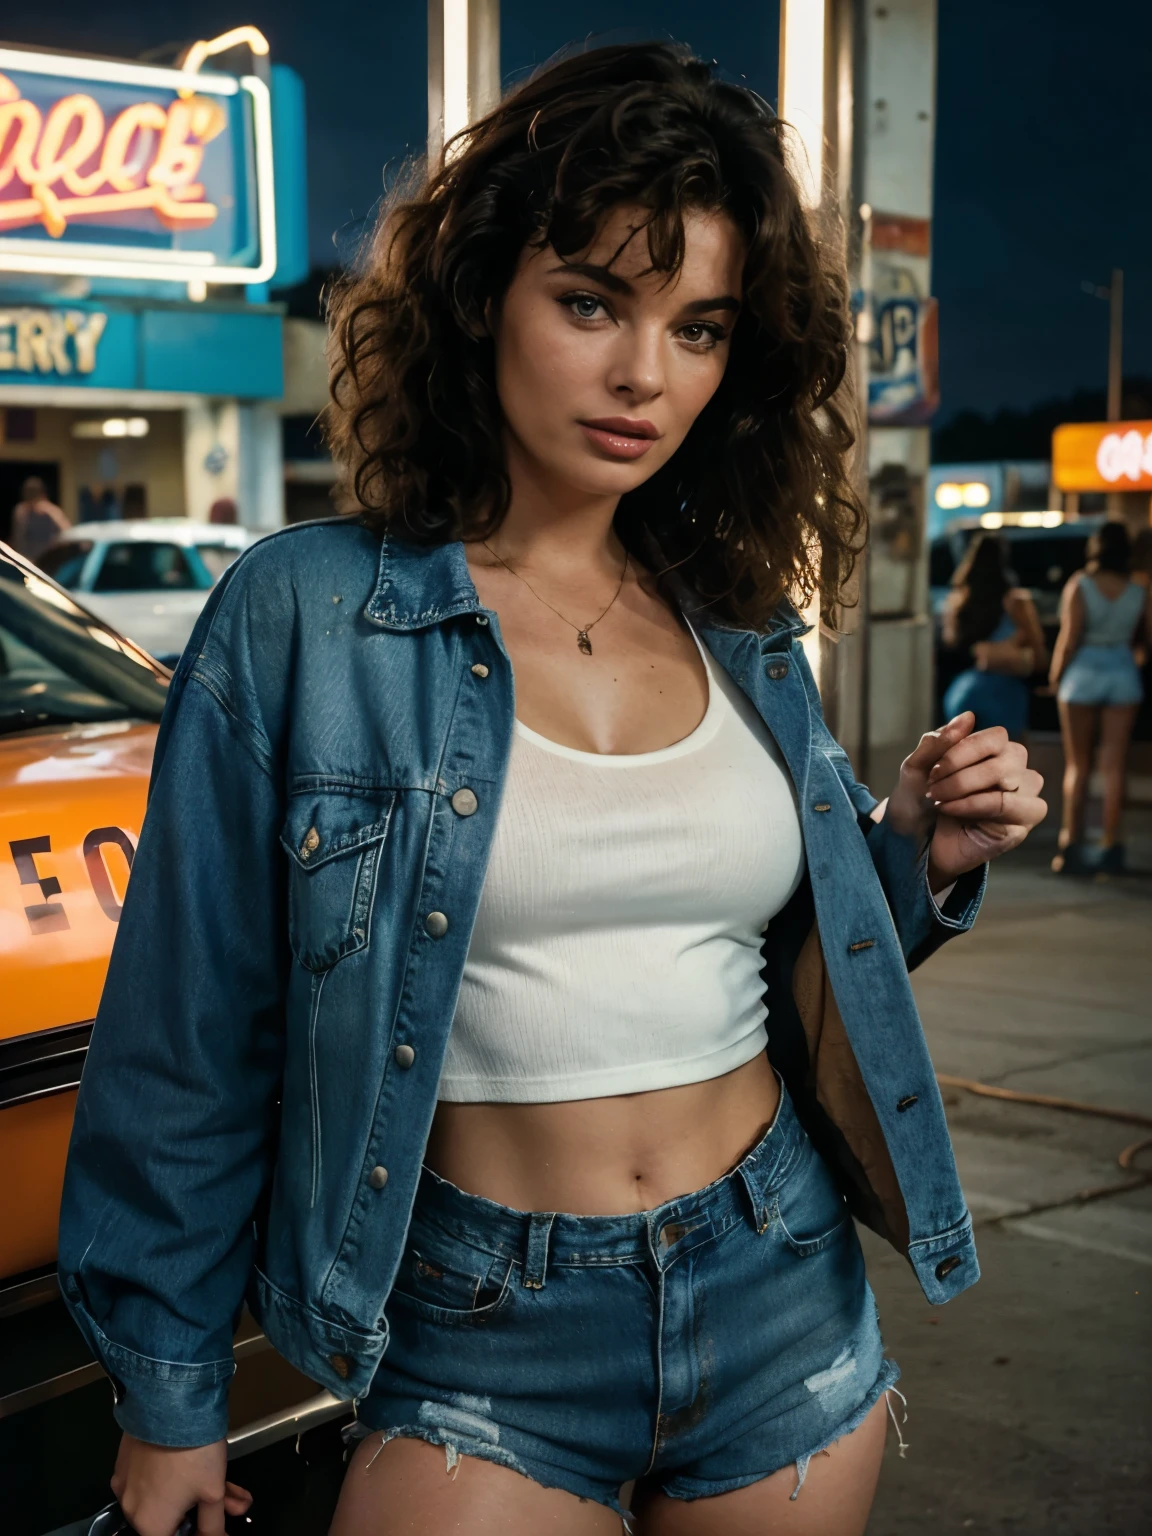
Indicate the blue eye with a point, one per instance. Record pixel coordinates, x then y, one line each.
582 305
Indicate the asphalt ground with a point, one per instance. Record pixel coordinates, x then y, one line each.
1028 1396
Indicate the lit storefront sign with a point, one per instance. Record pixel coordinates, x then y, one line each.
952 494
1103 456
112 169
212 348
56 341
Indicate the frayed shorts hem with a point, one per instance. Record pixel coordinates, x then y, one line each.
456 1446
686 1488
690 1488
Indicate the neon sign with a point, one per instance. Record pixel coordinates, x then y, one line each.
112 169
70 163
1103 456
1125 456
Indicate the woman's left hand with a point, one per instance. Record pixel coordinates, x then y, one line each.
978 784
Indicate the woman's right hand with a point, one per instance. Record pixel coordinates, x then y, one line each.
157 1485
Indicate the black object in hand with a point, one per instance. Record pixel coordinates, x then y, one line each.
114 1522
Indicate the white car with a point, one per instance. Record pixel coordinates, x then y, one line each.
148 578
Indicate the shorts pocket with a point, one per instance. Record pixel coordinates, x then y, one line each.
810 1210
447 1281
333 839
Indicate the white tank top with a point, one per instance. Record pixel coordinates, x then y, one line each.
617 943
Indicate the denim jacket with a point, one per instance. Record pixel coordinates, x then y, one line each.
264 1065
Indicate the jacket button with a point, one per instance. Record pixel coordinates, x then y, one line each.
464 802
822 805
903 1104
777 670
378 1177
946 1266
435 925
339 1364
404 1055
482 620
310 844
479 669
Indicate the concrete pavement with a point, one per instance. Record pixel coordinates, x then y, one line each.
1029 1395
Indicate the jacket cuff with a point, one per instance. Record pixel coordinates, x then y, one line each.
162 1402
921 925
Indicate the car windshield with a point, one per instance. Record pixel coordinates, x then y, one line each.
64 562
217 558
61 666
143 566
1045 564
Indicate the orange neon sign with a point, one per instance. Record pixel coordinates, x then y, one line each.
68 163
1103 456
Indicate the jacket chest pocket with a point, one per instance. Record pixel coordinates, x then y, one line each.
333 840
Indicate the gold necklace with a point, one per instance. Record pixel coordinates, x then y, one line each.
582 641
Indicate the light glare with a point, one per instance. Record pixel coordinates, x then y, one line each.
802 91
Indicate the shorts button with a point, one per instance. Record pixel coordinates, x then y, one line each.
405 1055
464 802
946 1266
435 925
777 670
378 1177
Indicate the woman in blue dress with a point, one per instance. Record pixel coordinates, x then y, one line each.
1104 616
993 626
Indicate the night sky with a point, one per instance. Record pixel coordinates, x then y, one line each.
1044 125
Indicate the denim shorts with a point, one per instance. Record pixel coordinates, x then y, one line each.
702 1345
1101 675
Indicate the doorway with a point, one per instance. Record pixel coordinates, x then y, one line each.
13 473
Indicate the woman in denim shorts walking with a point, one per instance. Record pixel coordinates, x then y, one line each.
1104 618
511 998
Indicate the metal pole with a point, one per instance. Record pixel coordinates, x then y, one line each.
463 66
1115 343
864 326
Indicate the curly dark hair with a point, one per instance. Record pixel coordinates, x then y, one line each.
757 503
983 572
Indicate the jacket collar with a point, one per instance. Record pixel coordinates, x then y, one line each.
418 585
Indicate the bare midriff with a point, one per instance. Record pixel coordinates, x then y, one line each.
608 1156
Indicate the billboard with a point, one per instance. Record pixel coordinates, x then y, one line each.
1103 456
115 169
903 367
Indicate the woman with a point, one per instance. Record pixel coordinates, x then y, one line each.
439 1004
994 626
1104 616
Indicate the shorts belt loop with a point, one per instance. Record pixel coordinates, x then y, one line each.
536 1249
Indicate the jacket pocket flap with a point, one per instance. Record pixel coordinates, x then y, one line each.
321 825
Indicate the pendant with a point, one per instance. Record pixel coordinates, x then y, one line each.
583 642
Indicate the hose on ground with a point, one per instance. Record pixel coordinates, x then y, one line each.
1126 1159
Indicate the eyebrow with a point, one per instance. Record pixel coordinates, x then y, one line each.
617 284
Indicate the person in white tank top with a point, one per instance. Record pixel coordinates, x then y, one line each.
597 353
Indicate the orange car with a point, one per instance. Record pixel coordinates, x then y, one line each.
78 711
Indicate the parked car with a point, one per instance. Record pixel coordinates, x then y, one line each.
1042 559
79 706
150 578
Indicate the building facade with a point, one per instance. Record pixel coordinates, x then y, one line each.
150 216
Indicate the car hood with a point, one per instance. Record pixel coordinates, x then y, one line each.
71 804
